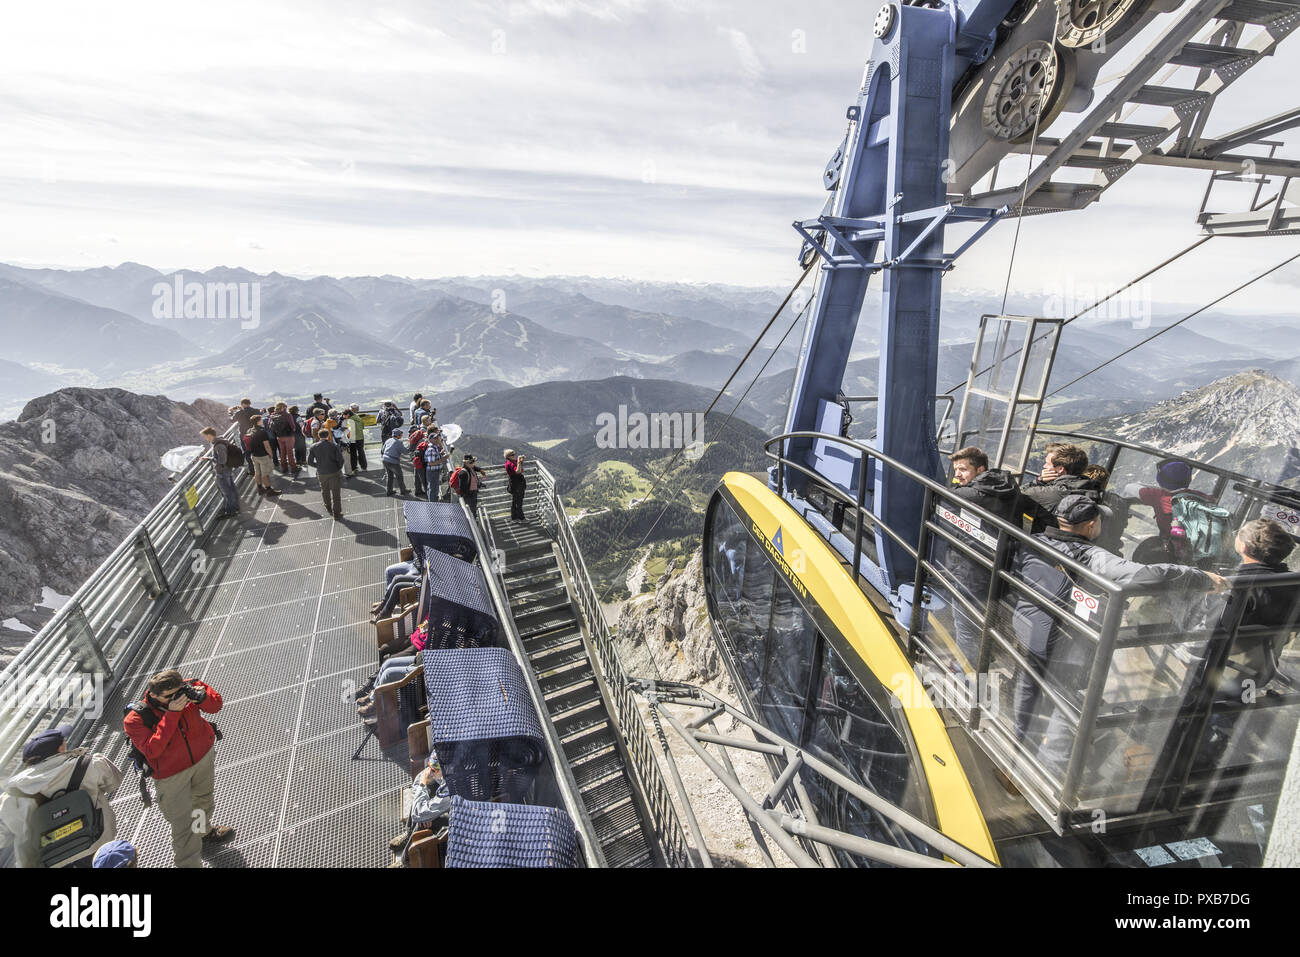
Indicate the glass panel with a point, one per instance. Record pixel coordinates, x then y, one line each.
851 733
789 660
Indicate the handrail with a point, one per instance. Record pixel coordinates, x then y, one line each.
1053 791
626 714
485 542
97 633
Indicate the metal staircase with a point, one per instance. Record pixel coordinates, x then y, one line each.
553 638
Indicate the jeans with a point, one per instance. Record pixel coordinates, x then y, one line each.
434 482
395 669
1065 670
405 569
419 483
517 503
225 480
394 593
394 476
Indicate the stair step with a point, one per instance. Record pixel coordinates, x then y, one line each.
1257 11
606 794
536 621
1130 131
1088 161
591 742
538 596
532 566
615 820
587 773
1210 56
558 656
551 639
578 721
561 679
1170 96
630 850
583 694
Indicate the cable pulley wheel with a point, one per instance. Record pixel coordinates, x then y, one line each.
1029 89
1082 23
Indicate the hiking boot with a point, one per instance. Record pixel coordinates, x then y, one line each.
219 834
261 490
272 491
397 843
338 516
366 710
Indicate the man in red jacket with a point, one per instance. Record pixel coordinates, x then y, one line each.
177 742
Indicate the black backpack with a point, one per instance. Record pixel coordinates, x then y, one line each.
136 756
234 454
68 822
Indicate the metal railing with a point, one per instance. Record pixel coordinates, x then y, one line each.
548 507
73 664
1175 704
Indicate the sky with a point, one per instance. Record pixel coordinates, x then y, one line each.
671 141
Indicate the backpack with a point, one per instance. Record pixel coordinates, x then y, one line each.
234 454
454 481
281 424
414 440
67 823
1198 528
417 455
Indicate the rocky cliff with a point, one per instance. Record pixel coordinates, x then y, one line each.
666 632
78 469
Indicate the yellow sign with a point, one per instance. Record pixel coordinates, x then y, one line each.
369 418
192 497
59 833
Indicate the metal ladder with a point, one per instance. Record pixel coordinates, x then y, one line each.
548 623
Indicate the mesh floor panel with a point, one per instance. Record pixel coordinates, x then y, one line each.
279 625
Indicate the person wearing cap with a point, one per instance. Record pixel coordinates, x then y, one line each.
356 439
47 769
1173 477
178 744
391 454
465 481
436 457
318 404
1061 655
116 854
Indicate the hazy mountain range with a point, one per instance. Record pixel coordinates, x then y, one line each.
376 337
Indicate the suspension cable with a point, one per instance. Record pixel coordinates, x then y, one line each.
717 436
1190 315
1102 301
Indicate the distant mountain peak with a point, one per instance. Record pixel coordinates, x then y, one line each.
1248 422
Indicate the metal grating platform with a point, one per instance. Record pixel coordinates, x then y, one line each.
278 624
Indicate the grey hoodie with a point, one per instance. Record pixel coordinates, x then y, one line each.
48 777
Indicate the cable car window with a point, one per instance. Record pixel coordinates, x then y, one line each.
852 734
742 593
789 659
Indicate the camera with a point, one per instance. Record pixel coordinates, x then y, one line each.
193 693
